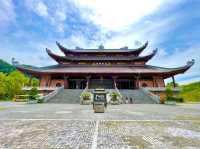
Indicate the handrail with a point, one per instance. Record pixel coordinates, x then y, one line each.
39 88
52 94
151 95
161 88
121 97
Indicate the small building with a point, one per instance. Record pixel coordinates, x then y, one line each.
121 68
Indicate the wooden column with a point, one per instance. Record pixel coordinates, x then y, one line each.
77 84
137 81
88 82
50 80
114 81
155 82
174 83
66 82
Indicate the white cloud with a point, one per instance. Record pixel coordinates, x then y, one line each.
61 15
55 14
118 14
179 57
38 6
7 13
122 16
41 9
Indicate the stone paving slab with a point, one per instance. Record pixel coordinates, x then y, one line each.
46 134
115 112
80 134
70 126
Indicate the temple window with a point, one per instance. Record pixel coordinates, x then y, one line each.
101 63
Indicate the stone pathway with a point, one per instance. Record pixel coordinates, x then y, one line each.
120 127
100 134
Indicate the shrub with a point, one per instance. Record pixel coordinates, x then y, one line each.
35 82
33 94
86 95
175 99
169 92
40 100
114 96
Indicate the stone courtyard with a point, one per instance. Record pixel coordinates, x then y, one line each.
72 126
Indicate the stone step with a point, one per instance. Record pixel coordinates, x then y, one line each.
138 97
67 96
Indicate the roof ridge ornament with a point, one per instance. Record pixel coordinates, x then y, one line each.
191 62
79 48
14 62
101 47
124 48
155 50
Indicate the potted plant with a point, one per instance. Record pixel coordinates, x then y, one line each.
114 98
86 98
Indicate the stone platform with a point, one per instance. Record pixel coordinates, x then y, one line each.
77 127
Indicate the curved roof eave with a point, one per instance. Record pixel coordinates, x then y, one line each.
58 58
135 51
179 70
33 71
165 72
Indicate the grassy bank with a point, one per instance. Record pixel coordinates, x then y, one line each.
190 92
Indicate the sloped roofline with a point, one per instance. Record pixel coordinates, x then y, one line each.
165 72
59 58
135 51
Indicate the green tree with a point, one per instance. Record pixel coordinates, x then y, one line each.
35 82
2 85
170 84
14 83
169 92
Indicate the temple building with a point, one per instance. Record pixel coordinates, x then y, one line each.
121 68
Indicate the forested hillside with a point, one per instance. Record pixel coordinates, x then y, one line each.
6 67
191 92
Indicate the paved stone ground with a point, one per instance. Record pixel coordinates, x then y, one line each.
121 127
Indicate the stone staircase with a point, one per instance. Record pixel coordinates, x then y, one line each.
138 96
70 96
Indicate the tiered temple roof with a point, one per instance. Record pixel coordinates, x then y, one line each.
100 57
101 49
103 61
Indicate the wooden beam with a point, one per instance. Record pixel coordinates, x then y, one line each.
174 83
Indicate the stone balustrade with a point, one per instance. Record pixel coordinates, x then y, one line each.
176 89
40 88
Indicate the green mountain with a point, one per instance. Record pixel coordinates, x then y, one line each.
6 67
191 92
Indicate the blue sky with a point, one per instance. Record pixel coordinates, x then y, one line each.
27 27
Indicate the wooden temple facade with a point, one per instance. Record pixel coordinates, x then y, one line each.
122 68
